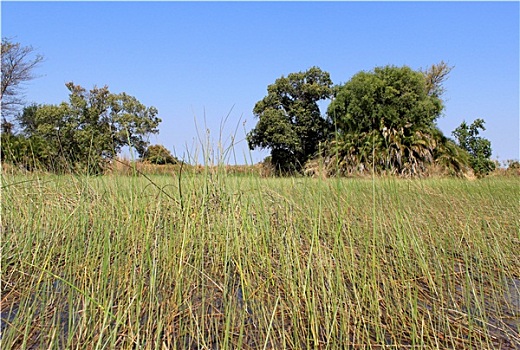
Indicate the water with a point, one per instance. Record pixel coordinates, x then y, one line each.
502 322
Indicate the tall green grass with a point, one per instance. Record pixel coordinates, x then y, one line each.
215 261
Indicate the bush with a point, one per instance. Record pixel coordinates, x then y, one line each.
479 148
158 154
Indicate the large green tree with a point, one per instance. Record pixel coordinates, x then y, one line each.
385 120
92 127
289 120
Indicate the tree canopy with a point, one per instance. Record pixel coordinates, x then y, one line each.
382 120
91 128
478 147
289 118
385 120
391 97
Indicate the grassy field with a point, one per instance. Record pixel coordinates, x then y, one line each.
214 261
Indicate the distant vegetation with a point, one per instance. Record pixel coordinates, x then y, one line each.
478 148
81 135
381 121
158 154
290 122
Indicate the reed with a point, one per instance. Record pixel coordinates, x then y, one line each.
214 260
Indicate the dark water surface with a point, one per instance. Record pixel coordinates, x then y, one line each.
502 321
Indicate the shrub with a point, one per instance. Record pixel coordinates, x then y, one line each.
158 154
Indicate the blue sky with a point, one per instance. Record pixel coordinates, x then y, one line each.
198 62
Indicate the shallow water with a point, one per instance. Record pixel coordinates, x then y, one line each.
503 321
513 299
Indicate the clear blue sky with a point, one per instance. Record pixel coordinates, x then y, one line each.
196 60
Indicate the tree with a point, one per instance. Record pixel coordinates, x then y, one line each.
290 122
158 154
18 63
385 120
92 127
478 147
435 76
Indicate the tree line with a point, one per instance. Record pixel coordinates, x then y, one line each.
381 121
83 134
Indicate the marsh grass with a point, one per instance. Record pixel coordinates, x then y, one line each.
243 262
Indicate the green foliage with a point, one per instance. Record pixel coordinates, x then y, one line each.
92 127
391 97
30 153
158 154
452 159
290 122
479 148
385 120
